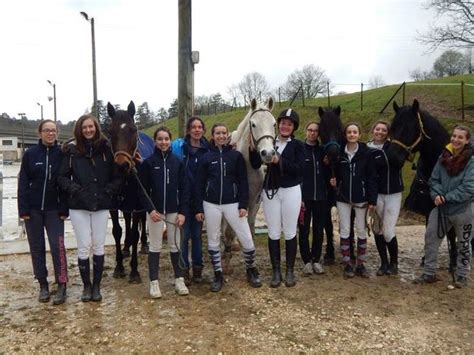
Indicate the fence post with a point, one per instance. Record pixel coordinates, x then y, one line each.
361 96
302 94
462 99
329 98
279 97
403 94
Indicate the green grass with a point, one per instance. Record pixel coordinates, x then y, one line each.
443 102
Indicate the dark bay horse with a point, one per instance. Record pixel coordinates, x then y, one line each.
414 130
128 145
331 134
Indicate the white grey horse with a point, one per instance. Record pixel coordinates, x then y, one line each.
258 129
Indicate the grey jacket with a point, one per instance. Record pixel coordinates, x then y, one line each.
457 190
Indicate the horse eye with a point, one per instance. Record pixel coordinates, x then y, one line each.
253 125
274 124
134 129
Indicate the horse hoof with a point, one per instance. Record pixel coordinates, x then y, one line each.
126 253
119 272
134 278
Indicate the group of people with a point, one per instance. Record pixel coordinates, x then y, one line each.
191 181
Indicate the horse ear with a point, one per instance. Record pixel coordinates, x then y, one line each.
110 110
337 111
320 111
253 104
416 106
270 103
131 109
395 107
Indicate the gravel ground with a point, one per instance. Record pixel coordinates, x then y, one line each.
323 313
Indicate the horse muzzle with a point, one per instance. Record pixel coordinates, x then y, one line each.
266 155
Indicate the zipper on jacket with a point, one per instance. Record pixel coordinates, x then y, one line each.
314 171
388 173
350 182
164 183
45 178
363 188
222 177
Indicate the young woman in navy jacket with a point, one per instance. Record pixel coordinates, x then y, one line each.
282 194
42 206
390 187
222 190
356 186
164 179
314 193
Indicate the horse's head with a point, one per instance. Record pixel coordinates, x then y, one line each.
331 132
262 129
406 133
123 135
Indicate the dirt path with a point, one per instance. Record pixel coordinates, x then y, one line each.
322 313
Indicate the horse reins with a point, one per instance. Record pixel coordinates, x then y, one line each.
409 149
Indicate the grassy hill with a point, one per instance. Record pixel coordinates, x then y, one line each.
443 101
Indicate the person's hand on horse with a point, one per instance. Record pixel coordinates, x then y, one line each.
439 200
242 212
180 219
333 182
200 217
275 159
155 216
138 158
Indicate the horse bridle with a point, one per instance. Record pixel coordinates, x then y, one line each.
130 160
409 149
265 136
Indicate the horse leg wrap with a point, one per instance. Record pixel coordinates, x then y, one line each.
215 256
361 251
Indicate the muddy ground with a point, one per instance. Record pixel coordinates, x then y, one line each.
322 313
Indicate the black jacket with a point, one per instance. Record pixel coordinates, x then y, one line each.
356 179
288 171
37 184
389 174
316 174
164 179
91 180
222 178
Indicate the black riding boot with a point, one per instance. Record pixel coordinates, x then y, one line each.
98 261
218 281
43 296
85 270
274 250
178 272
153 265
60 296
393 251
382 249
291 247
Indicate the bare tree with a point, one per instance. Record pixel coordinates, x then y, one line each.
419 75
311 77
458 30
234 94
376 81
253 85
449 63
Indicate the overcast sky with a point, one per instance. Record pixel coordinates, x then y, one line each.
137 47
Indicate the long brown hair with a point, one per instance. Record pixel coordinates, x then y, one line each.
79 137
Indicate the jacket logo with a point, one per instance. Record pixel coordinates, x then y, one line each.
39 163
156 168
214 162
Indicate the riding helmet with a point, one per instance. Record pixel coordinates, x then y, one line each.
290 114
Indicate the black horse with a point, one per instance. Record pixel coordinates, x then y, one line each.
414 130
125 140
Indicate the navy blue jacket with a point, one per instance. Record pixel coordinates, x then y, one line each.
356 180
164 179
190 157
91 179
222 178
389 174
288 171
37 184
316 174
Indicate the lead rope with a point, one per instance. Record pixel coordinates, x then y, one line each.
181 263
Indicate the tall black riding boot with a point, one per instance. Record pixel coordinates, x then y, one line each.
382 249
218 281
98 261
43 296
274 250
153 265
291 247
85 270
393 251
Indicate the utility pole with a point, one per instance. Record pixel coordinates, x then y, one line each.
185 65
54 98
40 105
94 72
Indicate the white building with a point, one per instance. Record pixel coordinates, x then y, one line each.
9 148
